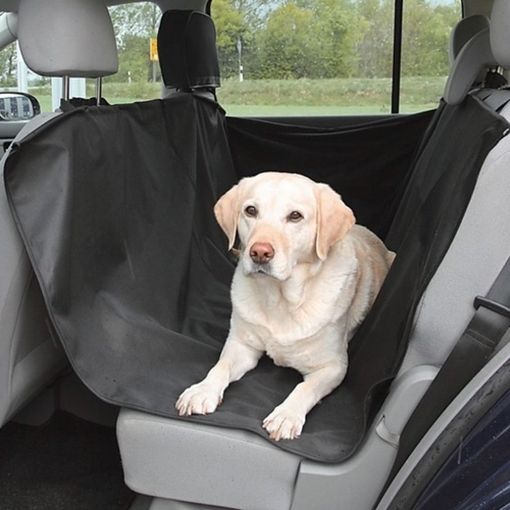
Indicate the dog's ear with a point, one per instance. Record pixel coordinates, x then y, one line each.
334 219
226 211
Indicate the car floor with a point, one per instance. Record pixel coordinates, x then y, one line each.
67 463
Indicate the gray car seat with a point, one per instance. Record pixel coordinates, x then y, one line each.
463 31
175 460
56 39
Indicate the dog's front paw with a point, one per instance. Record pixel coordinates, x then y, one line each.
198 399
284 423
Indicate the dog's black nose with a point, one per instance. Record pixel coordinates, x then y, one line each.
261 253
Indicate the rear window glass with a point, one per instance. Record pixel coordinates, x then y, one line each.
329 57
282 57
139 78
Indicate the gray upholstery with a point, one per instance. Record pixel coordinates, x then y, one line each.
204 464
475 56
488 47
57 37
67 38
475 257
463 31
500 32
29 357
8 28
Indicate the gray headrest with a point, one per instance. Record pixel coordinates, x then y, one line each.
500 32
472 58
464 30
67 38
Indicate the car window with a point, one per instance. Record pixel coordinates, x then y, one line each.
425 35
8 61
329 57
15 76
139 78
293 57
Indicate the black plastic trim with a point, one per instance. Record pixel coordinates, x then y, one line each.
397 56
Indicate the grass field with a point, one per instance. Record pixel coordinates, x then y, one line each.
291 97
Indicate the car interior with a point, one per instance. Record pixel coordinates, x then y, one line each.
104 318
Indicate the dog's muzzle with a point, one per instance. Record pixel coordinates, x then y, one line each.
261 253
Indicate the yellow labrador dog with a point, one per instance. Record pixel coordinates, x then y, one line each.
306 278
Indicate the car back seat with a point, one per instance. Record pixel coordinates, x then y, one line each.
55 40
175 460
160 455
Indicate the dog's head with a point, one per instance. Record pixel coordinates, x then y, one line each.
282 220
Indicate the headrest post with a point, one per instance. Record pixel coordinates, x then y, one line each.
66 86
99 90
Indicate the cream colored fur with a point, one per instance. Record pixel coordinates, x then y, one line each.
303 306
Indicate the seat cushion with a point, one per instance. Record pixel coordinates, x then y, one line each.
179 460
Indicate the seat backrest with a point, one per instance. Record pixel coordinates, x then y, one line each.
57 38
461 34
463 31
473 59
482 241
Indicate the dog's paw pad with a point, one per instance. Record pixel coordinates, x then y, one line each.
198 399
284 423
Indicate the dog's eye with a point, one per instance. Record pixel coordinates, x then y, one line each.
295 216
251 211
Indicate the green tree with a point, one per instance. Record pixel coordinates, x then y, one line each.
134 59
134 25
426 31
230 28
237 25
140 19
374 47
309 38
286 46
8 63
425 34
335 27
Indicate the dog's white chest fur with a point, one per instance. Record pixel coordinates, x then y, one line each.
305 321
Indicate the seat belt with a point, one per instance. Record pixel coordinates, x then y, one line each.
471 352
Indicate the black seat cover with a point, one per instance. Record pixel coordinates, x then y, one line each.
114 204
187 50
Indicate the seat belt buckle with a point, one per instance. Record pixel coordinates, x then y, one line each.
494 306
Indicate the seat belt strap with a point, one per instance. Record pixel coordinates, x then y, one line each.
474 348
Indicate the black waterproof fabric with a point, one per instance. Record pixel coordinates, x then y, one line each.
115 208
368 164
